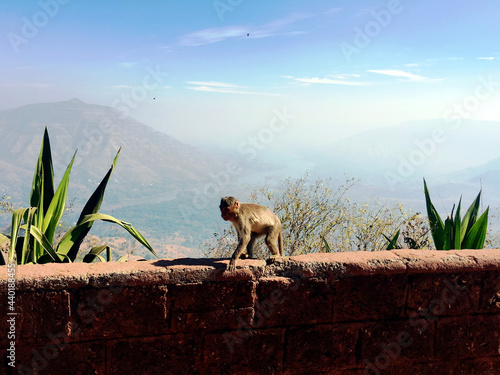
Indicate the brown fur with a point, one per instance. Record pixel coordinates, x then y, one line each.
251 221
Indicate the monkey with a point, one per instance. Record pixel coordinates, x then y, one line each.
251 221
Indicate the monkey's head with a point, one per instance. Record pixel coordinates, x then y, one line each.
229 207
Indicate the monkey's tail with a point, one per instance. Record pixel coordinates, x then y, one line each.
280 244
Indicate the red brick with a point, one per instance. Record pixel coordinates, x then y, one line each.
490 301
212 306
170 354
432 368
212 320
369 297
488 366
244 352
392 343
119 312
334 372
471 336
213 296
65 359
41 313
276 304
324 348
438 295
4 324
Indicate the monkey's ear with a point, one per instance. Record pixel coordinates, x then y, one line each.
237 204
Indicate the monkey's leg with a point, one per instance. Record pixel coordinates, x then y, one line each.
271 240
242 245
251 246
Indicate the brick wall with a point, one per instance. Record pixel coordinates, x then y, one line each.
391 312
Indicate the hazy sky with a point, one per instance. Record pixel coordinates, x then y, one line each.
219 71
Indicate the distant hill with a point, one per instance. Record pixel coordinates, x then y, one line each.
411 150
151 163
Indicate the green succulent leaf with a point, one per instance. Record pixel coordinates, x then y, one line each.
3 239
94 253
436 224
477 234
26 253
127 226
458 233
56 208
91 207
327 246
393 242
43 241
470 216
42 189
17 217
457 228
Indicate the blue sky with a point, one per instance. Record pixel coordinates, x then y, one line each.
219 70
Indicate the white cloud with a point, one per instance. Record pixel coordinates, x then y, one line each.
130 64
486 58
218 34
341 79
291 18
402 74
333 11
213 35
167 49
225 88
212 83
346 76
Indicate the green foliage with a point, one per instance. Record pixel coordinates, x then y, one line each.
414 231
468 232
33 229
328 249
393 242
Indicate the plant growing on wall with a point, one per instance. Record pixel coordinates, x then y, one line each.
33 229
468 232
392 243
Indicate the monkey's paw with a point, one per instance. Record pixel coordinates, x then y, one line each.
231 267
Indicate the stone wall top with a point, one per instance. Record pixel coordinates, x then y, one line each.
190 270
